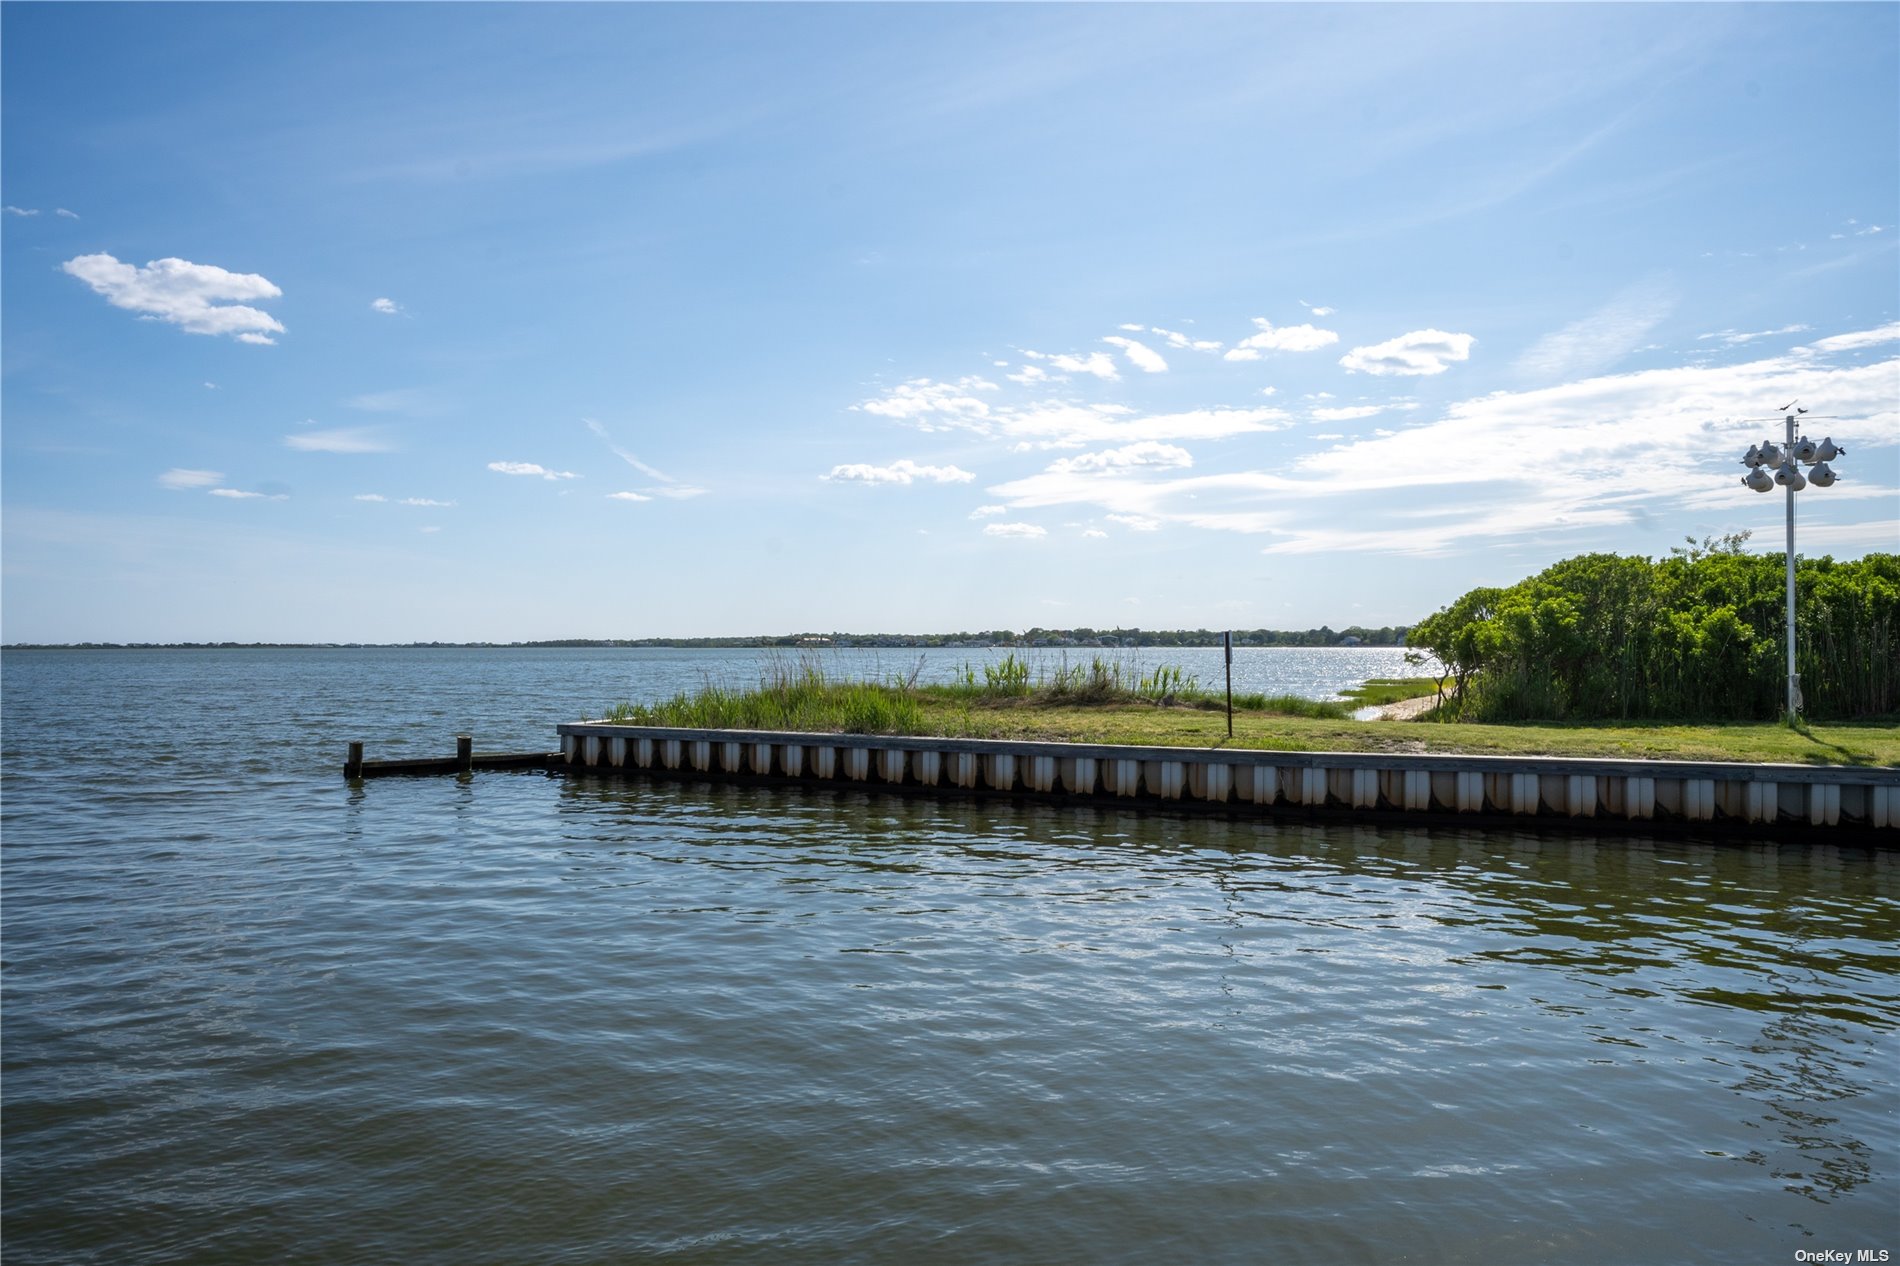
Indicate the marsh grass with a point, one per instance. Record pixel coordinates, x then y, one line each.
1381 691
791 695
798 694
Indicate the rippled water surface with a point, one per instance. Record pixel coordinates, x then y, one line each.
254 1014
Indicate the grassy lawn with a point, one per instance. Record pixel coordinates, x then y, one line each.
1193 727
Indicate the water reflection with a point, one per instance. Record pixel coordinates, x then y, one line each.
1756 975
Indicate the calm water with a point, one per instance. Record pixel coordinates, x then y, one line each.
253 1014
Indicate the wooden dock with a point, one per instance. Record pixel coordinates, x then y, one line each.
465 761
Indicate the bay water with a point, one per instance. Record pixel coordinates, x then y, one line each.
252 1013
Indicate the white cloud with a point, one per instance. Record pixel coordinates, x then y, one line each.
1139 522
1030 375
63 213
1347 414
902 471
1063 425
1095 534
199 298
1096 363
21 211
1733 338
234 495
1552 466
1140 355
1026 531
1316 310
1420 352
933 405
1146 453
343 440
1598 341
424 501
677 492
1287 338
389 307
627 496
1858 339
530 468
1132 329
428 529
177 477
1182 341
370 496
984 512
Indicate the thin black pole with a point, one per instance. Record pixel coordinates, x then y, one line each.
1227 645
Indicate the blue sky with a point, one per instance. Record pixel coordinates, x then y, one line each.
379 322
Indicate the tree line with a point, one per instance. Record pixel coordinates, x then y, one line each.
1698 635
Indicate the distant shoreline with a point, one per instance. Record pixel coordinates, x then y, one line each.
1034 639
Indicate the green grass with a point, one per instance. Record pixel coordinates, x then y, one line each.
789 697
1092 704
1381 691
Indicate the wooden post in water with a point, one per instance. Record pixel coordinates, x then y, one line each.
464 753
1227 646
353 763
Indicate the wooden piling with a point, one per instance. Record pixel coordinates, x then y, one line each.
465 753
353 763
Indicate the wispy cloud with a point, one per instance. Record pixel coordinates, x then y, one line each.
1316 309
22 211
1286 338
667 487
370 496
198 298
412 401
1733 338
1021 531
1420 352
425 501
1856 340
1138 522
234 494
1347 413
531 469
627 496
341 440
64 214
388 307
623 454
1140 355
178 477
984 512
1598 341
902 471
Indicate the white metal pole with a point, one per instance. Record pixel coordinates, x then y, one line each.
1794 682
